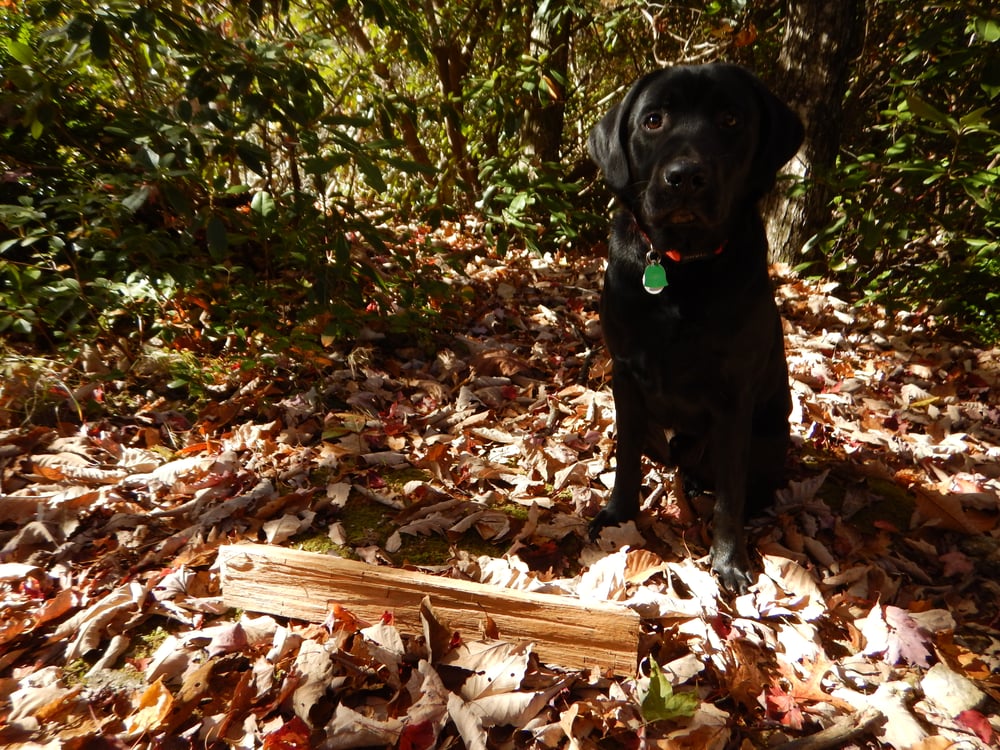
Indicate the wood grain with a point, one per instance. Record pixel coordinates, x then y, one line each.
566 632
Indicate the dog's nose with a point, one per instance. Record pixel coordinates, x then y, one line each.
685 175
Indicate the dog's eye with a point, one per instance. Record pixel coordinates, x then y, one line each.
729 120
653 121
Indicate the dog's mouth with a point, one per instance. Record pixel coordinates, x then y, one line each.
681 216
686 257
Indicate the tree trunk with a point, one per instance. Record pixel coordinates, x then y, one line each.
454 45
407 125
453 64
822 39
543 122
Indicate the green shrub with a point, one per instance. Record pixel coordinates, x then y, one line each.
918 205
148 151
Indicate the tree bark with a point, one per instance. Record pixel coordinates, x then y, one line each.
545 115
453 65
453 48
821 41
408 127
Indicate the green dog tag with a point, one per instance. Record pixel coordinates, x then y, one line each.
654 278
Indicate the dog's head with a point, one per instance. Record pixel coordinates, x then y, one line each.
691 146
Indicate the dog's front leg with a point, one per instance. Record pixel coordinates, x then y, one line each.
730 451
631 424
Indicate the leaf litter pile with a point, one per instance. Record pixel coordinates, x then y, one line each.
478 452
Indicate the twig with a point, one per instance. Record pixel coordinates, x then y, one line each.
840 733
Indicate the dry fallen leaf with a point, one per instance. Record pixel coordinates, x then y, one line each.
482 458
152 710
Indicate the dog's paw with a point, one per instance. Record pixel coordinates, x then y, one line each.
692 487
733 570
602 520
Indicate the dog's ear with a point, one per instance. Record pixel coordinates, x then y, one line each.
608 141
781 134
606 145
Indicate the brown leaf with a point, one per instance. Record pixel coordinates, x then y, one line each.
499 362
313 671
151 711
749 670
292 735
947 512
438 638
72 466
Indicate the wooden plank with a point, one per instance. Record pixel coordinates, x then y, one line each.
304 585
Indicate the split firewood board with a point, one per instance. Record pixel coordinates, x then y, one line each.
302 585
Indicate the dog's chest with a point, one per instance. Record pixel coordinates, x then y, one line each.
682 344
674 360
668 348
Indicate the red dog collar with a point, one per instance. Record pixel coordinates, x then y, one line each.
674 254
654 277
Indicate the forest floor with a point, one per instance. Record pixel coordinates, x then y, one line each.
478 451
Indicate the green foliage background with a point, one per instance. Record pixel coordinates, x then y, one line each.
236 169
917 211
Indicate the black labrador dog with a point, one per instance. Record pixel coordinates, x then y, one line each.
699 378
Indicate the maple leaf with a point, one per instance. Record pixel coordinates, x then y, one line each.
907 640
292 735
977 723
782 706
417 736
810 690
892 632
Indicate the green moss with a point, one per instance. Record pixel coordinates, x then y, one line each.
126 679
436 550
366 523
315 542
322 476
145 644
891 505
322 544
475 545
424 550
397 479
75 672
514 510
894 507
832 493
